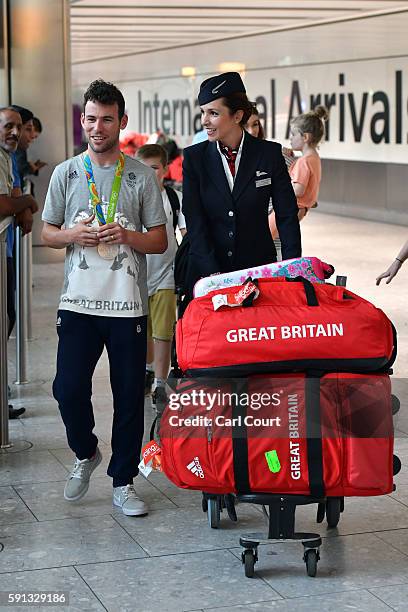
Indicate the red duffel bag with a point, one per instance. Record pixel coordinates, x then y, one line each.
287 434
293 325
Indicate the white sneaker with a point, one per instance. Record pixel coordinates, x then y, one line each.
78 480
126 498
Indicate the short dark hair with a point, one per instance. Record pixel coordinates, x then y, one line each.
25 114
148 151
37 125
239 101
105 93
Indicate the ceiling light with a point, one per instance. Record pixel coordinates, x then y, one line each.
188 71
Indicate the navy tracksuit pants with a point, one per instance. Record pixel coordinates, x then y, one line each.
82 338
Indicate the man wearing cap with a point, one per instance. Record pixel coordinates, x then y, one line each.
228 182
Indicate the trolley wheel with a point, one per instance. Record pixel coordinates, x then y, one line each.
229 501
311 558
213 512
321 511
333 510
248 559
395 404
204 503
396 465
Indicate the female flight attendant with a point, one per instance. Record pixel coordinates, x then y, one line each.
227 184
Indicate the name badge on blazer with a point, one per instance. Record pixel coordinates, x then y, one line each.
263 182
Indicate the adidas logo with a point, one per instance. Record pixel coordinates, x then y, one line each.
196 468
73 174
58 322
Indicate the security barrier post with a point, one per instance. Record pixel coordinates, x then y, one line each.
21 307
4 425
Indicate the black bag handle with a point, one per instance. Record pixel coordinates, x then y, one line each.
314 443
152 429
310 292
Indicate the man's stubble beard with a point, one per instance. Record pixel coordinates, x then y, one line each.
108 146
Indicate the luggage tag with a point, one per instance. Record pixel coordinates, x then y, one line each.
151 458
243 297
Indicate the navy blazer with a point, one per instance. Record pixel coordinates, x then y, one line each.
229 230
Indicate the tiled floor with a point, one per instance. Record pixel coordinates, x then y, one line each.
171 560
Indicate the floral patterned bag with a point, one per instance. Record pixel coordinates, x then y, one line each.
311 268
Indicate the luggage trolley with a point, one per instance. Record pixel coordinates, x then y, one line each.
281 528
281 520
214 504
279 510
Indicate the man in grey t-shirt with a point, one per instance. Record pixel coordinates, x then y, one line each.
96 206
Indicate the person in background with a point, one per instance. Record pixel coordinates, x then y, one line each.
28 134
37 128
36 166
200 136
26 138
228 182
12 202
307 131
160 282
254 126
395 266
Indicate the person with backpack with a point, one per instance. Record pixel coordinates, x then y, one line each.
160 282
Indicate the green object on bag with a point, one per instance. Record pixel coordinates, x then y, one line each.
273 462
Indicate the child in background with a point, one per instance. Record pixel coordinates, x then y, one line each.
254 126
307 131
160 282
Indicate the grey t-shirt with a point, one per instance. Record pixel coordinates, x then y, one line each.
92 285
160 267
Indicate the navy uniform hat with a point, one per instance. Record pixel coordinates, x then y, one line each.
220 86
26 114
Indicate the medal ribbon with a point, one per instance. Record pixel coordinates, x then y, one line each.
96 200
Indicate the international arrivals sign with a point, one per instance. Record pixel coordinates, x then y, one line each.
367 101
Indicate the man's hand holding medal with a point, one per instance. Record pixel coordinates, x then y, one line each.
84 234
109 234
112 233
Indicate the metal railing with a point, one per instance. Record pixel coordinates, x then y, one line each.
23 317
23 278
4 428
